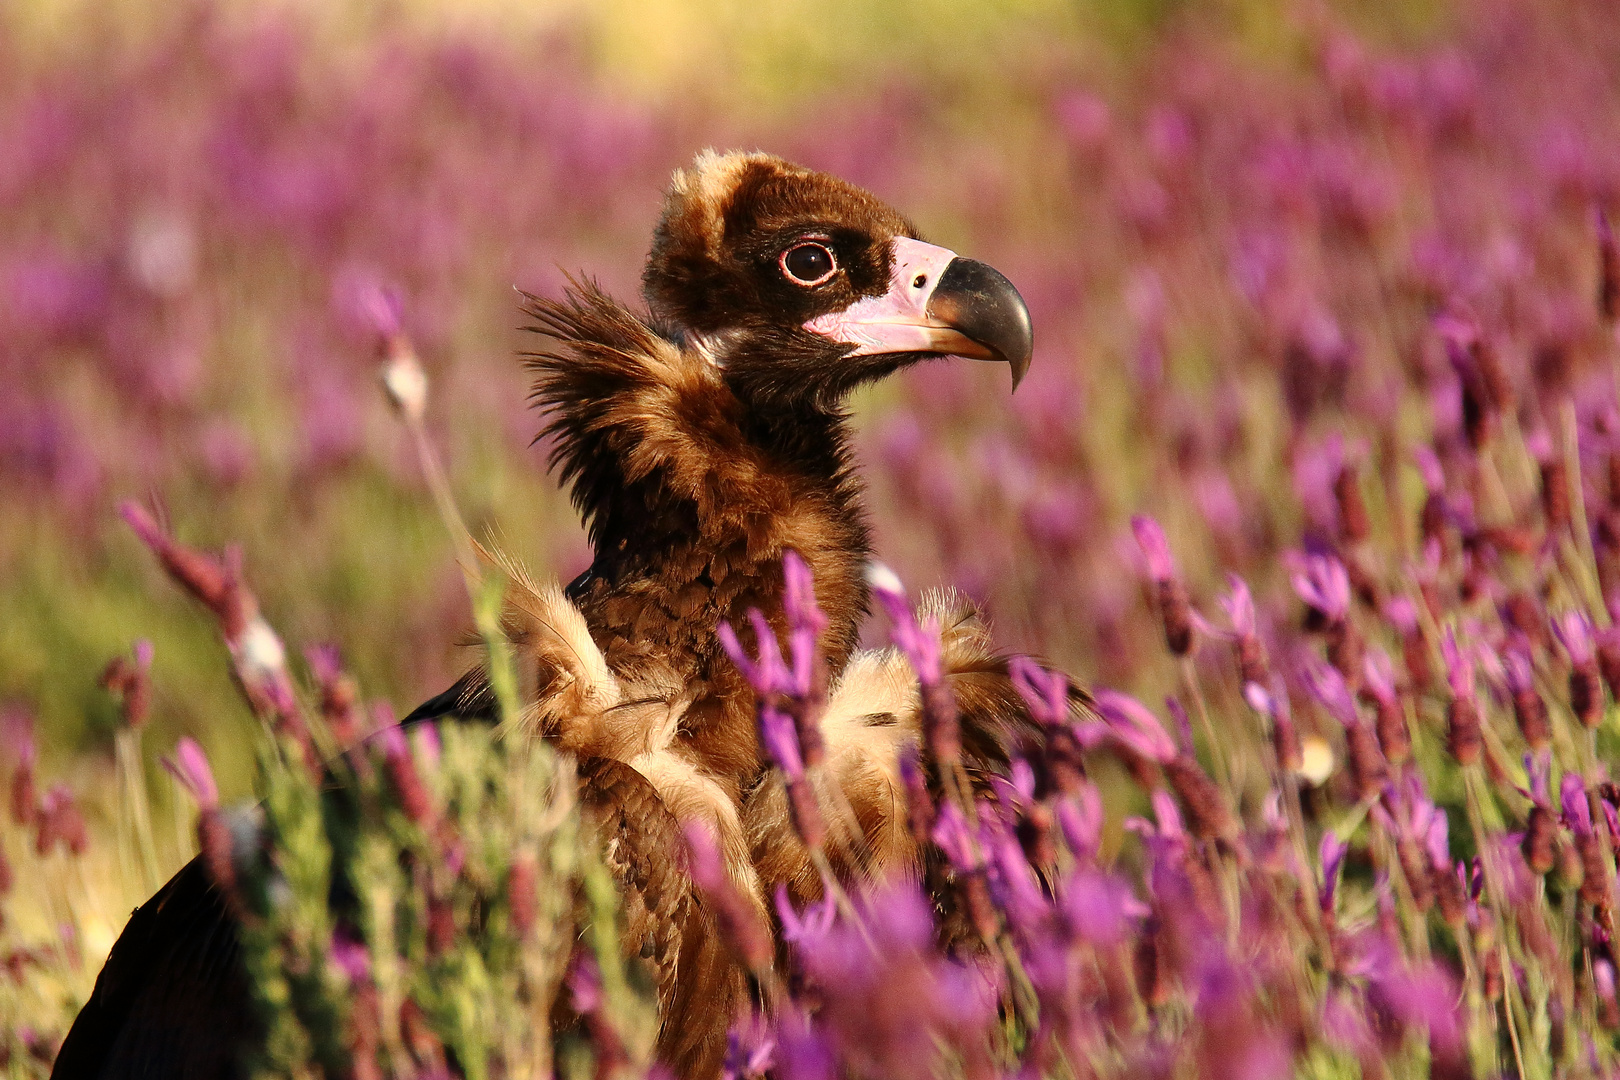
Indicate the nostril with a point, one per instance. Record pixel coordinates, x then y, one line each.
919 281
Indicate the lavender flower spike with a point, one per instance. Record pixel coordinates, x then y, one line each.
1156 557
1134 725
1574 632
1045 692
1324 584
1332 850
1174 607
805 619
1464 735
919 642
190 766
921 645
767 674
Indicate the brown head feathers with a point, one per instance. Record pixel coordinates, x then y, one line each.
727 219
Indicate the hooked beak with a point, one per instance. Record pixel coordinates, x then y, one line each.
938 302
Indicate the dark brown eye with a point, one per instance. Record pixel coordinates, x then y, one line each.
808 264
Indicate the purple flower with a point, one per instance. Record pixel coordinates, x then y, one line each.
917 641
1218 503
1259 699
1100 908
741 925
350 957
190 767
1577 810
809 927
750 1050
1012 879
1156 557
379 307
1423 997
780 738
1316 474
1402 614
1166 826
1081 819
955 838
1344 1022
585 984
1329 688
1428 465
1459 667
1045 692
1574 632
1239 607
806 621
1084 118
1332 851
767 674
1436 838
1322 582
1015 793
804 1054
1378 676
1132 724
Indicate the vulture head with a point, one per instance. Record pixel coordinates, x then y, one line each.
801 286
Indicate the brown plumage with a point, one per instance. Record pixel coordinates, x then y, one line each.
700 442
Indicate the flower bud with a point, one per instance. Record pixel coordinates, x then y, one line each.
1354 524
408 786
404 379
521 883
1555 507
1540 843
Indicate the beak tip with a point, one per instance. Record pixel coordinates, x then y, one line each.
979 302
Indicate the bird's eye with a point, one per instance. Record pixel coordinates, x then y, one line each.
808 264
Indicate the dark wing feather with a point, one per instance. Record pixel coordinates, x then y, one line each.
172 1000
469 698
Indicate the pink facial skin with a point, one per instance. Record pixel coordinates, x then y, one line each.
898 321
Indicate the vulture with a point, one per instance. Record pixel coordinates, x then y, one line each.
700 439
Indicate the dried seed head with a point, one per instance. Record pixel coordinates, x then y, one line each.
1176 610
521 899
1368 771
1208 816
1531 713
1354 524
1394 738
1540 844
1463 735
1586 694
1415 865
1449 895
1555 494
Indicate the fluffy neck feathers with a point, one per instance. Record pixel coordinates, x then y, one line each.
690 495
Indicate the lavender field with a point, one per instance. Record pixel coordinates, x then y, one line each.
1314 484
